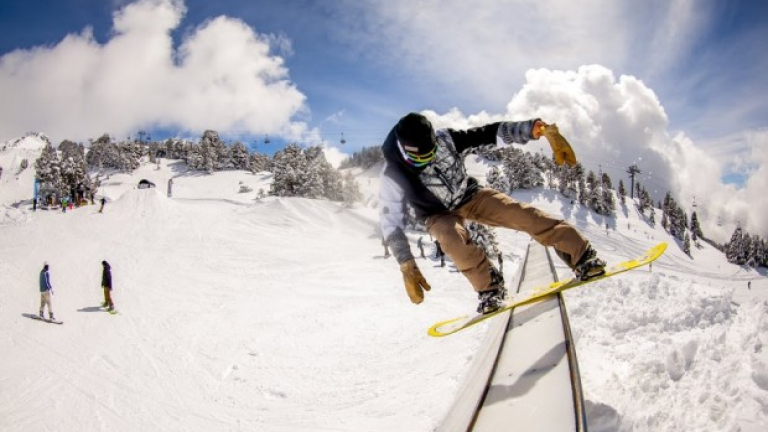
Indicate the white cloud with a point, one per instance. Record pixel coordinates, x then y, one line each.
480 50
615 122
223 76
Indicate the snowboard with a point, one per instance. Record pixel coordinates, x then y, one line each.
454 325
48 320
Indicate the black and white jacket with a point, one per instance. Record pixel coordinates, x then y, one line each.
440 187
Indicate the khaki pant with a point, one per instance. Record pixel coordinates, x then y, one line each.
45 300
495 209
108 297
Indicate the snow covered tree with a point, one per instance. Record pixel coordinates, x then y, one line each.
290 172
606 181
484 237
497 180
734 249
305 173
687 244
365 158
239 159
609 203
351 192
73 168
209 150
48 167
622 192
696 227
519 169
259 162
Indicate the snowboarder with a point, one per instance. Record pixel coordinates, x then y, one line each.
106 284
46 291
386 247
425 168
420 245
439 253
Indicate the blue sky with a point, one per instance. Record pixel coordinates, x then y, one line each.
347 59
678 85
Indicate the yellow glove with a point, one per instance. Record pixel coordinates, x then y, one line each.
560 147
414 281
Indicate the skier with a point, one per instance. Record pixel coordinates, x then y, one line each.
386 247
106 284
425 168
46 291
103 201
420 245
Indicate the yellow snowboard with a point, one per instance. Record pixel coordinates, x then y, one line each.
452 326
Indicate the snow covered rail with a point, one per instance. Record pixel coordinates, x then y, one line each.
525 375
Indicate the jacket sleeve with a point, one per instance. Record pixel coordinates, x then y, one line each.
392 217
508 132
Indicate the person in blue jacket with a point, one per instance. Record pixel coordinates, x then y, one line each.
46 291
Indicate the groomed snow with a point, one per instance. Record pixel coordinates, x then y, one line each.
282 315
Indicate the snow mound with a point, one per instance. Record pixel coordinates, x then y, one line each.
311 215
34 142
142 203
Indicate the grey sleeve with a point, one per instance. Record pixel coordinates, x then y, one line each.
398 244
392 217
516 132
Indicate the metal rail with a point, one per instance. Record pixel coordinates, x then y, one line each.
525 375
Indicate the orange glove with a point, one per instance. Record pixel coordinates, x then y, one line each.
414 281
560 147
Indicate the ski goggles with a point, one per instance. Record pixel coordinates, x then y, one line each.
416 159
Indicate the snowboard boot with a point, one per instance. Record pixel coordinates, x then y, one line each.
589 265
493 299
41 314
50 316
104 304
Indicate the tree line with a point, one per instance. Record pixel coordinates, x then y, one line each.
300 172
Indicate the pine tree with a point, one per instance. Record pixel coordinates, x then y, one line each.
259 162
734 249
239 159
606 181
47 167
695 227
289 172
351 192
496 180
622 192
687 244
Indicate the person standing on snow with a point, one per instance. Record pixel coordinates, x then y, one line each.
106 284
46 291
425 168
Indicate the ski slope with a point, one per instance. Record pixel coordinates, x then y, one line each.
281 314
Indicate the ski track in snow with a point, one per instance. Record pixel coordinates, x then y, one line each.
282 315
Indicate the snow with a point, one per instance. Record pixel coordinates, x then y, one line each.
277 314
